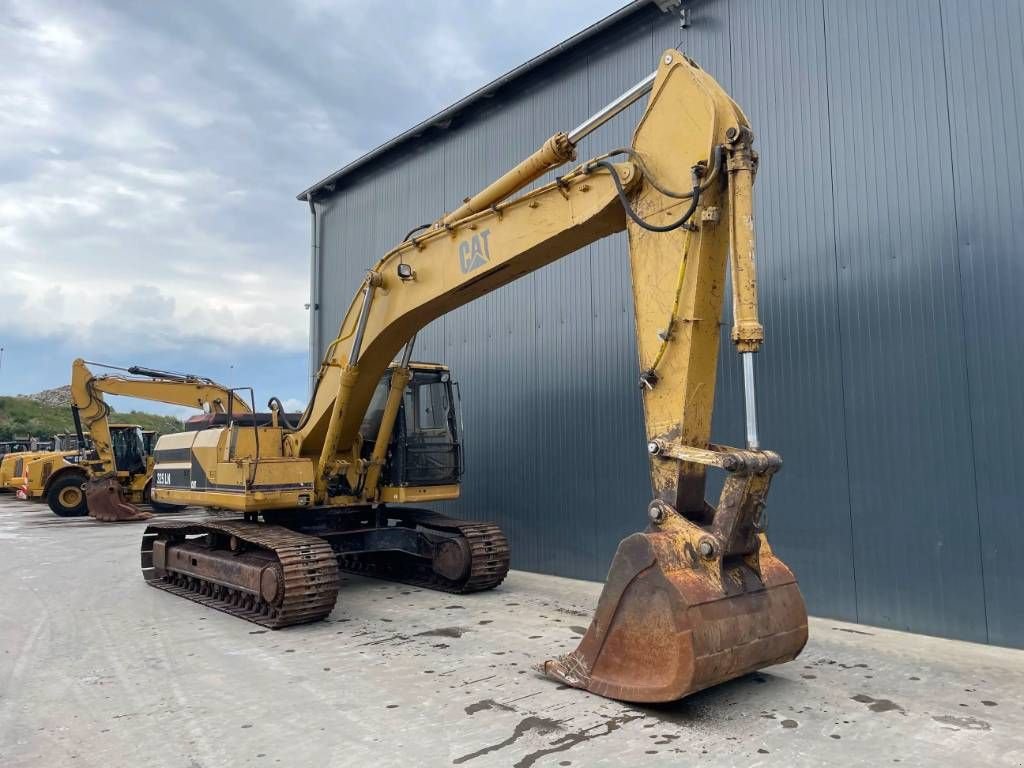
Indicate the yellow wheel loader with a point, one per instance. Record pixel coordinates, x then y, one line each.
29 473
12 468
116 475
695 599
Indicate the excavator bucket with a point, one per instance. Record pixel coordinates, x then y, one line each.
679 612
105 500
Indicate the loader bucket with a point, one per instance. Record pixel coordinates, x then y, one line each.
106 503
670 622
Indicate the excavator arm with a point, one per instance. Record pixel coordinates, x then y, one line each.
106 490
691 157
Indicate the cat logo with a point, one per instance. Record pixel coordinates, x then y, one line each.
474 252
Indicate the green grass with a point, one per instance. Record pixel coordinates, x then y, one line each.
20 416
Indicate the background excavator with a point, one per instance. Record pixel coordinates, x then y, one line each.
695 599
116 474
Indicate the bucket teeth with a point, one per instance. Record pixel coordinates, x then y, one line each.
668 624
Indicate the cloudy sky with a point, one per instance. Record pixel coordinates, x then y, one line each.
150 154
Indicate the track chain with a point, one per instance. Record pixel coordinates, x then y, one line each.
489 557
308 569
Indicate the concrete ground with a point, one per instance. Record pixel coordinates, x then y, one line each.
97 669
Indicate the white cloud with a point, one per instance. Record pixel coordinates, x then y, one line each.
150 153
59 40
293 405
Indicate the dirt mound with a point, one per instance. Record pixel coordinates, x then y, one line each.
60 396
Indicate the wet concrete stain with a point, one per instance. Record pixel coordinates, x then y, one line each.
879 705
570 740
988 703
443 632
852 631
579 630
454 607
485 704
789 724
541 725
762 751
572 611
967 723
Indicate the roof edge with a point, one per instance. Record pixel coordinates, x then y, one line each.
480 93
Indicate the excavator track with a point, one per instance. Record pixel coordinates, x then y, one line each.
488 552
308 569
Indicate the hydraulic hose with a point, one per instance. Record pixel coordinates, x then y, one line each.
280 411
694 201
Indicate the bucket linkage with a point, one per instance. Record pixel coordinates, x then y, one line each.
694 600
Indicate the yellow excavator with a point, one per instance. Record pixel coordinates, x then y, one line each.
111 479
695 599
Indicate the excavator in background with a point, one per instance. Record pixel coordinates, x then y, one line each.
698 597
115 476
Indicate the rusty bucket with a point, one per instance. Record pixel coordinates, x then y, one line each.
676 616
105 499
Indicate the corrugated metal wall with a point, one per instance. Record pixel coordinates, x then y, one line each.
889 202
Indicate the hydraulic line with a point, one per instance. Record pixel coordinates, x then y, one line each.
280 411
694 198
717 161
675 307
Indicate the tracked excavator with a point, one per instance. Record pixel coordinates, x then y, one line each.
115 476
695 599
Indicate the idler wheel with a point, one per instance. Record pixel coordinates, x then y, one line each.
452 559
270 584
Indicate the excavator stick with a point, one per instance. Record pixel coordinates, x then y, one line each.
689 605
105 499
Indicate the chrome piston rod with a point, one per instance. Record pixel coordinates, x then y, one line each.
750 399
606 113
369 286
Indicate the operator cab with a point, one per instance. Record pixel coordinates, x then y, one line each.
129 447
425 447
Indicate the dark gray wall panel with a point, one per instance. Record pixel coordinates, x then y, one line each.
985 76
888 204
780 81
916 546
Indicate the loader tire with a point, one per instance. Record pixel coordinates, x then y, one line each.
66 497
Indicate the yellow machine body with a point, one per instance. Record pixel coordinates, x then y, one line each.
247 469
